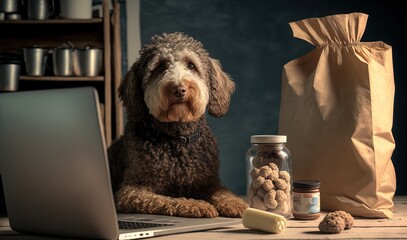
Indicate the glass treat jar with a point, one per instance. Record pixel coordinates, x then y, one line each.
269 178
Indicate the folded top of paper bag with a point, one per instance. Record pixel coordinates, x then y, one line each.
341 28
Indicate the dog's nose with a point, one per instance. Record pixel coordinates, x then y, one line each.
180 91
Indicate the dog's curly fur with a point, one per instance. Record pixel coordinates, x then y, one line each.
166 94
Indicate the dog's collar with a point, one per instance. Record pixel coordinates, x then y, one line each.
184 138
190 138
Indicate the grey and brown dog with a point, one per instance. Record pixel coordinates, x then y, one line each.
167 161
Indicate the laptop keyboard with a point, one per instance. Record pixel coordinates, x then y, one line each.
137 225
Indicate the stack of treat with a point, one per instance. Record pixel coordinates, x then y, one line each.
270 189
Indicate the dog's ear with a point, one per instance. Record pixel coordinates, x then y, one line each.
131 93
222 88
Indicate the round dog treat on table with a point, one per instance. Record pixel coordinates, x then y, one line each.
349 220
332 225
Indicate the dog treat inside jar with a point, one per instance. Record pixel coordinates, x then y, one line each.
269 174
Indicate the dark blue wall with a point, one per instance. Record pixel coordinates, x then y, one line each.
253 41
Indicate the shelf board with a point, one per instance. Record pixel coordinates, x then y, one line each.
51 21
56 78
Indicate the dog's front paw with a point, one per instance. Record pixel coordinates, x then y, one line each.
227 204
195 209
231 207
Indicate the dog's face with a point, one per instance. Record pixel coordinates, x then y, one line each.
175 80
177 89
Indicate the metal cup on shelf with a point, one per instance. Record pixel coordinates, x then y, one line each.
62 61
9 10
87 62
9 73
35 59
9 6
39 9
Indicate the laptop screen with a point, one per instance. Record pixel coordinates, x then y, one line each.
53 164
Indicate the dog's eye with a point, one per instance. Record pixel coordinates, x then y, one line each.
160 68
190 66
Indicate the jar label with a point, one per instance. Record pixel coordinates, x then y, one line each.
306 203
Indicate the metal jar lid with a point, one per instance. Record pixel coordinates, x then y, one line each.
268 139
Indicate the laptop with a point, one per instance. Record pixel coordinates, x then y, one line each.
55 174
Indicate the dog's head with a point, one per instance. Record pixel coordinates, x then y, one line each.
175 80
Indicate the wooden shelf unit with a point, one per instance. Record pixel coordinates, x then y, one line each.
57 78
52 33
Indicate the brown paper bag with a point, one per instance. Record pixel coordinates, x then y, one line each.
337 112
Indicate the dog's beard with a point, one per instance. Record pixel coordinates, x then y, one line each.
178 112
166 107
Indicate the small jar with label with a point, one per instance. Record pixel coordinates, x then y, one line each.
306 200
269 178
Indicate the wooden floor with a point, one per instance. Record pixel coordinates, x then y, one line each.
395 228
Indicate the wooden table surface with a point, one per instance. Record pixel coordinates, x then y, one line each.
395 228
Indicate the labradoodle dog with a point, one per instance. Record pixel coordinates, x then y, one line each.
167 160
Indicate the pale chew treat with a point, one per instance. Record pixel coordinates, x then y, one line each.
263 221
